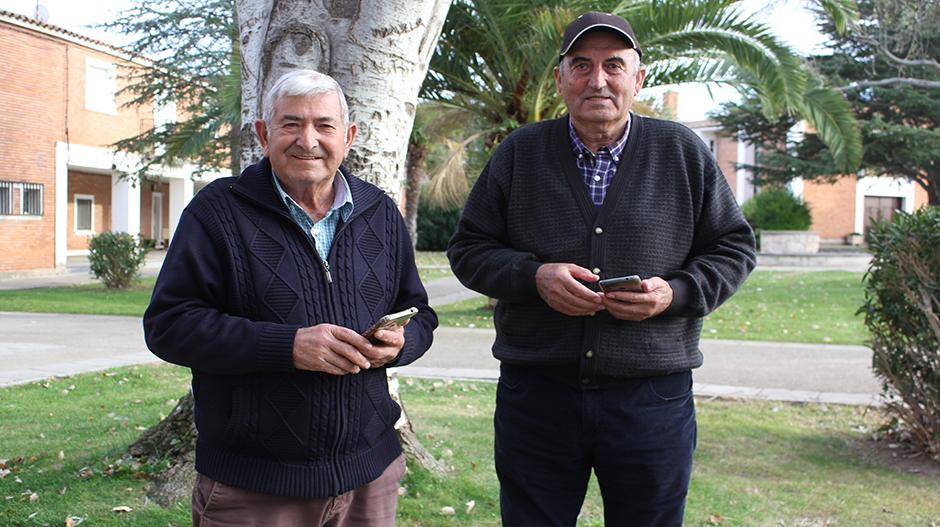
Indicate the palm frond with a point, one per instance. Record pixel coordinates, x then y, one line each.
832 117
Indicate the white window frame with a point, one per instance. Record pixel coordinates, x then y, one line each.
90 198
100 98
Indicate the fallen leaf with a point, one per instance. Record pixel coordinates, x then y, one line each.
61 455
3 473
470 505
715 519
34 497
448 511
122 508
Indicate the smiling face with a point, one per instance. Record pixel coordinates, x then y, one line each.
306 139
598 79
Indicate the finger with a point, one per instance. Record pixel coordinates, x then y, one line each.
580 273
339 365
351 353
573 305
389 338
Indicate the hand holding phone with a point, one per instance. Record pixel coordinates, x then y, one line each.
622 283
389 321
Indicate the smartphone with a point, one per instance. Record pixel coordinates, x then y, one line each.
388 321
621 283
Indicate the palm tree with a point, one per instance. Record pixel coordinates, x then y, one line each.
495 58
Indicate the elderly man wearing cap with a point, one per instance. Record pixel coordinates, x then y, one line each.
592 379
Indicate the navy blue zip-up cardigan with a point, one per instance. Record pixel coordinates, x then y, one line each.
239 279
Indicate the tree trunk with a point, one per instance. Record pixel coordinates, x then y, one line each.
378 51
417 156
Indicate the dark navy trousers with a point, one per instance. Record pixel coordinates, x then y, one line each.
638 435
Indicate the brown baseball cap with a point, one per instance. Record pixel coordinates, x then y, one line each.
596 20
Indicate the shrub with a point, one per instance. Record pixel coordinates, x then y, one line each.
902 312
777 210
435 226
116 258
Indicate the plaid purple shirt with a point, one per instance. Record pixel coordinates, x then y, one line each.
598 169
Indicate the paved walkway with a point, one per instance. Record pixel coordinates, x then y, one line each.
36 346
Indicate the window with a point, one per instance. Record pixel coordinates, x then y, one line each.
100 86
21 199
32 199
84 213
6 198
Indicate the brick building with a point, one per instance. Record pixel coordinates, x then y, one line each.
60 180
839 209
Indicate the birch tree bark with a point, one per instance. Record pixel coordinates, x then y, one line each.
378 51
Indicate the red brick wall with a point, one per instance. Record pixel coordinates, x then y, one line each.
96 185
832 207
726 153
32 119
43 93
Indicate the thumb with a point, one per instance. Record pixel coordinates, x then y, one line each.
582 274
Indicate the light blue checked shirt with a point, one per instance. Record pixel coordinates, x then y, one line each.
321 231
598 169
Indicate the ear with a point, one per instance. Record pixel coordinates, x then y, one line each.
350 135
557 72
261 130
640 77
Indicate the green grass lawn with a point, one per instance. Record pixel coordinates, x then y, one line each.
87 299
814 307
758 463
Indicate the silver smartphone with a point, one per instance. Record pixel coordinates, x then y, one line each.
622 283
388 321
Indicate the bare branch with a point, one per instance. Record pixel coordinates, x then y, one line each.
908 62
921 83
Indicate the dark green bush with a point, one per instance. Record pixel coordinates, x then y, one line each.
435 226
777 210
902 312
116 258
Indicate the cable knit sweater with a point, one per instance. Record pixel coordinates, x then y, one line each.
669 212
239 279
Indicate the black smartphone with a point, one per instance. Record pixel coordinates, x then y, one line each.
622 283
388 321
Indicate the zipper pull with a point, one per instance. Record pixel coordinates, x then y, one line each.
326 272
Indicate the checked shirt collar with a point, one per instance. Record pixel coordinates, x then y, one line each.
598 169
321 231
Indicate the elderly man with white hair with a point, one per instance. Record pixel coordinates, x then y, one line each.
265 291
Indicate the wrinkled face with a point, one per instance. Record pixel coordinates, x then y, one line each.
598 79
306 140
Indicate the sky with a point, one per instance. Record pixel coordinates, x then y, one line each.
791 21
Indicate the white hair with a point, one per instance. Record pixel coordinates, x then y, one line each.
302 83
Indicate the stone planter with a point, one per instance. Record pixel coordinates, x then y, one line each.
854 239
789 242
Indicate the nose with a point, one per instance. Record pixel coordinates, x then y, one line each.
598 78
308 138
